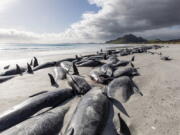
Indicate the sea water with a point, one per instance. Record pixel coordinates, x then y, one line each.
10 53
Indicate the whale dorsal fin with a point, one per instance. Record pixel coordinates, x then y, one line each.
18 69
132 65
29 69
133 58
31 63
76 72
52 80
35 62
77 58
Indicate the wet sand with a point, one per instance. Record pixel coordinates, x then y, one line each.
157 112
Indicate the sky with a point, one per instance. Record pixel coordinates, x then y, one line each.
86 21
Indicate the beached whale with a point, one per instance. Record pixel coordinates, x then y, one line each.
31 106
100 77
66 59
91 57
65 68
6 78
60 73
52 64
66 65
126 71
45 65
7 75
123 62
78 84
107 69
90 63
48 123
165 58
112 60
90 115
124 53
14 71
122 88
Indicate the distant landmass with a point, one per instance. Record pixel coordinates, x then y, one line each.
132 39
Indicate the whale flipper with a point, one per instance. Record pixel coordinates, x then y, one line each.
123 126
71 131
119 106
42 92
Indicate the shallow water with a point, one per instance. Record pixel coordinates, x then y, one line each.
18 53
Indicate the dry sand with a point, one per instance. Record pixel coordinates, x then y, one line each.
156 113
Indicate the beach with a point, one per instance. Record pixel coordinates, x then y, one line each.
154 113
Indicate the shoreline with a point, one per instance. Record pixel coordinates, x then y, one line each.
155 113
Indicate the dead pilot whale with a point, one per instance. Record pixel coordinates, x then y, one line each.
13 71
31 106
122 88
48 123
90 115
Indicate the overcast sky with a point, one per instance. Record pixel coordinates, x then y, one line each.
75 21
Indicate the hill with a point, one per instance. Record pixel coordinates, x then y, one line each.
127 39
132 39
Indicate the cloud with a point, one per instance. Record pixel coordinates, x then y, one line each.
162 33
118 17
4 4
17 36
149 18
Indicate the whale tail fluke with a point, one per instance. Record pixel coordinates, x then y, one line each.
52 80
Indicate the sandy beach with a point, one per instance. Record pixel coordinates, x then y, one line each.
155 113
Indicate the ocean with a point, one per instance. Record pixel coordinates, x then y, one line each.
10 53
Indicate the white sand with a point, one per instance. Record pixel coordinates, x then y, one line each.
156 113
